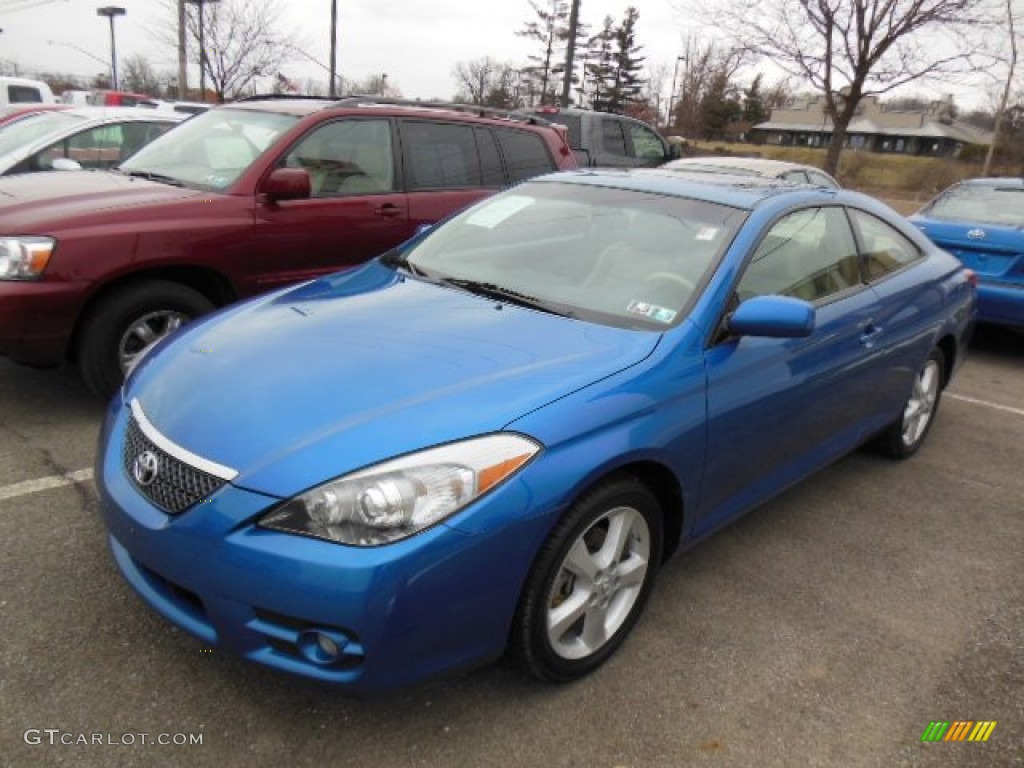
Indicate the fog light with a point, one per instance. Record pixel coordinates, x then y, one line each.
321 646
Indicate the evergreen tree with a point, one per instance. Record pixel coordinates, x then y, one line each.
627 81
599 71
754 111
549 30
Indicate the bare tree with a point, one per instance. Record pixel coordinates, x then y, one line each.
140 77
848 49
377 85
245 41
1011 65
487 82
708 71
475 78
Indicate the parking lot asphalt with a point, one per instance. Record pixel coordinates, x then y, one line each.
827 628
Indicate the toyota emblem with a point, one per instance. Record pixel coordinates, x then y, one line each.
145 468
976 234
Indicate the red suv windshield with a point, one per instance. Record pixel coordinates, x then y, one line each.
211 150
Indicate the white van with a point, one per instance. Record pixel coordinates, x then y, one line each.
20 90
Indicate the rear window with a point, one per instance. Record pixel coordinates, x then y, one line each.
990 205
526 154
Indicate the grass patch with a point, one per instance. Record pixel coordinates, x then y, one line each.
891 176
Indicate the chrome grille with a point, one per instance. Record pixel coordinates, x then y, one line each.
176 485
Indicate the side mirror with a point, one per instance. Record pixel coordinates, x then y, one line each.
780 317
65 164
287 184
674 151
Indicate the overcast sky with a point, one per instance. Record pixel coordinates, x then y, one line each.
416 42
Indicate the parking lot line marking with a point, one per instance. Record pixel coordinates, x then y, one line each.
44 484
987 404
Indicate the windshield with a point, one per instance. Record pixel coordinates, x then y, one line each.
32 128
619 257
990 205
211 150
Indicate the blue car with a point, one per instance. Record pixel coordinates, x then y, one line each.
490 438
981 222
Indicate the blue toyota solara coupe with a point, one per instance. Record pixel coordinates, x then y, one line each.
981 222
492 436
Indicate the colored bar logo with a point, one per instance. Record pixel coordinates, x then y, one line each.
958 730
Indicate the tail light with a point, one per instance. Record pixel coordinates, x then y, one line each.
972 276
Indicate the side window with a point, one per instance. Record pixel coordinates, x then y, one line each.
885 249
439 155
809 254
526 154
612 138
345 157
23 94
98 147
491 172
646 143
821 180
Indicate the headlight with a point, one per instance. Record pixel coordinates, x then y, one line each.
24 258
399 498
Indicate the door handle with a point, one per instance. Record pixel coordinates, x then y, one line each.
388 209
869 334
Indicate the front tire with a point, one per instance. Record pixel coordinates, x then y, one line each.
590 581
904 437
126 323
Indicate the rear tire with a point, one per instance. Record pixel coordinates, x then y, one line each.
904 437
125 323
590 581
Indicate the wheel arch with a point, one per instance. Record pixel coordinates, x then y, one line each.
948 346
665 486
213 285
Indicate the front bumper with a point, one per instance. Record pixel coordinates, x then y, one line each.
36 320
1000 303
401 612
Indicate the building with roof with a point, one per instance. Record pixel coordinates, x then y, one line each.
934 131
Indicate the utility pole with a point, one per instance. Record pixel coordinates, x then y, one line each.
182 54
334 49
570 50
1001 112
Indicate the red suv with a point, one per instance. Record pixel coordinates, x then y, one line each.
95 267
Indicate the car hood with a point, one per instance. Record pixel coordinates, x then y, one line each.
33 203
344 372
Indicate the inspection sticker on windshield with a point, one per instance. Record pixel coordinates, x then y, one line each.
651 311
494 213
707 233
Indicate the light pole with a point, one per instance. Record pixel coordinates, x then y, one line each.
670 120
112 12
200 4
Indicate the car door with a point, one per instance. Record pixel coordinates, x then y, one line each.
356 209
779 408
907 306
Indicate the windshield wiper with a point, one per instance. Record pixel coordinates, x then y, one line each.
150 176
494 291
